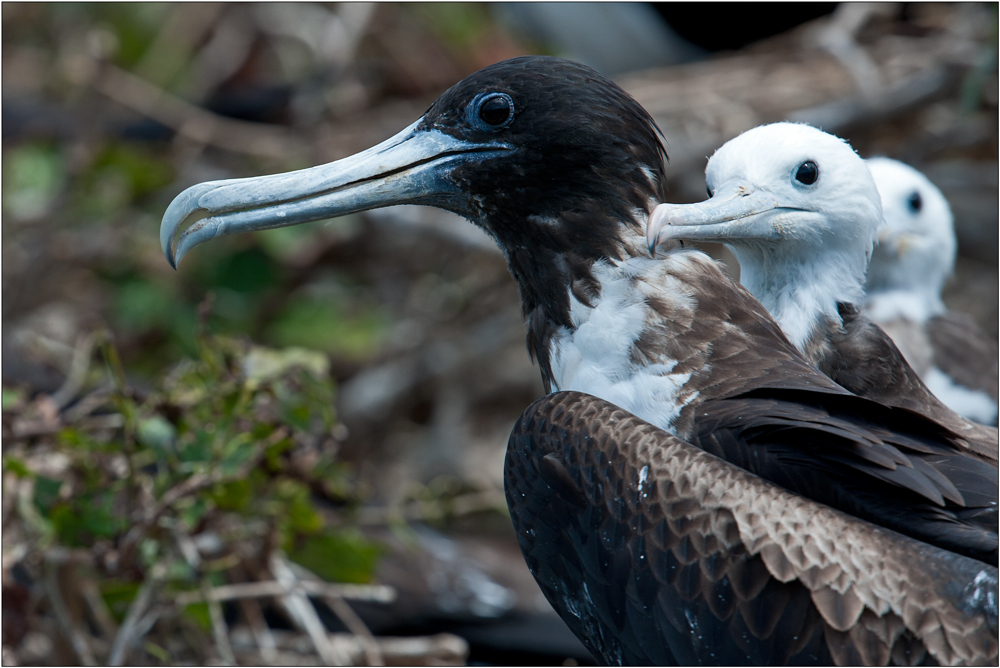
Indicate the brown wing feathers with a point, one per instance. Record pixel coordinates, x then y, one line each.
863 359
895 479
657 552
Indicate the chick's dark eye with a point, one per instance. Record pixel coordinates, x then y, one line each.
914 201
497 110
807 173
708 189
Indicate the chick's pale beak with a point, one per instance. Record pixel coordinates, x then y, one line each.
895 242
408 168
737 211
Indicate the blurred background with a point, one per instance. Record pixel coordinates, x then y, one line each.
289 451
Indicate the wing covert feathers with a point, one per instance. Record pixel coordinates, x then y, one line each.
655 551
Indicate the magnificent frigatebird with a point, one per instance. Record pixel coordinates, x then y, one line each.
914 257
800 210
650 548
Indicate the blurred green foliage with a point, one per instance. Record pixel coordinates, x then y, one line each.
120 175
235 443
33 175
458 24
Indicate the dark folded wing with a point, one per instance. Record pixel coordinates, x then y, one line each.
863 359
654 551
891 467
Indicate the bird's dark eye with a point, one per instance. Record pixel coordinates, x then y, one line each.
807 173
914 201
497 110
708 189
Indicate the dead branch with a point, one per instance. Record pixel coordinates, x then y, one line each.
246 590
304 614
372 653
98 608
443 649
130 629
77 371
70 630
261 632
220 630
878 106
193 122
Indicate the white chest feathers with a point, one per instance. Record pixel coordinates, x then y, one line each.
598 356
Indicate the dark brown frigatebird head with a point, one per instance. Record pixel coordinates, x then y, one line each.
553 160
540 152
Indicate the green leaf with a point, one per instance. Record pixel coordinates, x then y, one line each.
336 557
149 549
235 453
157 651
98 518
263 364
199 449
143 170
86 518
179 570
12 397
250 271
234 496
32 177
321 324
141 304
18 468
156 432
302 517
46 493
117 595
198 613
192 513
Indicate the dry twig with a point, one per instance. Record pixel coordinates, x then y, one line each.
193 122
220 630
78 368
98 609
76 638
245 590
132 629
261 632
304 614
373 655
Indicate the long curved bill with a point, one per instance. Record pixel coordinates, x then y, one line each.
737 211
408 168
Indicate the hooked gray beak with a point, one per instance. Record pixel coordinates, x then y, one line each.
736 211
408 168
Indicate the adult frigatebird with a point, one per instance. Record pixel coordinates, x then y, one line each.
651 549
800 210
914 257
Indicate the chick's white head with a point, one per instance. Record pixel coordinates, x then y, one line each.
798 208
917 245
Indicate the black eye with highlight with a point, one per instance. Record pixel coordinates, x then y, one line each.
807 173
915 202
708 189
496 110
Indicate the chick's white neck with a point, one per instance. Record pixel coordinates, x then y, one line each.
800 289
916 306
